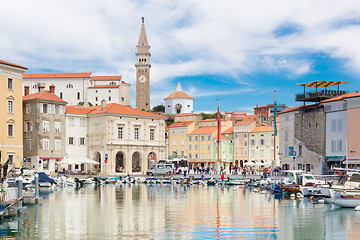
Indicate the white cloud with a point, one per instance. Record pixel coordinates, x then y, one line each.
187 37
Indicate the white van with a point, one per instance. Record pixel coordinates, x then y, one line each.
160 169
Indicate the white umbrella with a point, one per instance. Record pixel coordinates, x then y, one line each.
88 161
249 164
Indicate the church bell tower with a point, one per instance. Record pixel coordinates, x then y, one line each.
143 66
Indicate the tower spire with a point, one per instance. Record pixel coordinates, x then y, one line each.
143 45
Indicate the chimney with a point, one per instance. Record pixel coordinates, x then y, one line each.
103 104
26 90
41 86
52 88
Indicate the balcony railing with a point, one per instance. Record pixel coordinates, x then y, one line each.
318 95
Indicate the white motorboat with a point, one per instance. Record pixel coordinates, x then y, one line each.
345 202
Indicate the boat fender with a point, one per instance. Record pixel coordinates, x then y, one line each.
292 195
357 208
299 195
311 198
321 201
263 192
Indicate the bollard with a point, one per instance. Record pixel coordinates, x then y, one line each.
20 189
37 188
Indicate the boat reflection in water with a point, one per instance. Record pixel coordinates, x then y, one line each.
179 212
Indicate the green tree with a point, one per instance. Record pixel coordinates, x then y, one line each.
159 108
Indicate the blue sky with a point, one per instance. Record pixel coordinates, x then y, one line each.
236 51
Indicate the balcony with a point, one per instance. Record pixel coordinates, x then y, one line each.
318 96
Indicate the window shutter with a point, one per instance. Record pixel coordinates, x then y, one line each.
25 130
41 108
31 126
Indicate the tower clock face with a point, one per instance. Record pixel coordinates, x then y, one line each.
142 79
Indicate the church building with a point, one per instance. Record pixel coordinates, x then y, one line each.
179 102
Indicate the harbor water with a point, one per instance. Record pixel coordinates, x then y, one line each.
143 211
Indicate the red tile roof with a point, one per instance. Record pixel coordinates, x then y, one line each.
263 129
341 97
180 124
246 120
203 130
58 75
79 110
230 130
221 137
12 64
106 78
209 120
186 114
121 109
105 86
178 94
43 95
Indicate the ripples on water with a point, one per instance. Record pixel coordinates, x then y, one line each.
177 212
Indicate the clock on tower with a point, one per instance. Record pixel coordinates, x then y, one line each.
143 66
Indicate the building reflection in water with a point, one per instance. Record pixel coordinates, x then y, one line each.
181 212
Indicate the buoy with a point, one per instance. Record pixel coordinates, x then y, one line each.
292 195
357 208
256 190
235 189
311 198
259 189
321 201
299 195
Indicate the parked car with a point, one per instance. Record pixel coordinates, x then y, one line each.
160 169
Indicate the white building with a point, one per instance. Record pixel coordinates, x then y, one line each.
179 102
78 88
121 139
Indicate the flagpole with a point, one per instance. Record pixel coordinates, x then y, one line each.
274 127
218 144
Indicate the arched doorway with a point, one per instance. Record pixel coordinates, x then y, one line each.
136 165
98 159
237 163
241 163
119 162
152 159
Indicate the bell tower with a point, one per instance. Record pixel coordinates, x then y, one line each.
143 66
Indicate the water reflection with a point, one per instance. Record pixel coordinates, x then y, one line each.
177 212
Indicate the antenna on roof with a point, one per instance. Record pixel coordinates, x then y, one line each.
143 20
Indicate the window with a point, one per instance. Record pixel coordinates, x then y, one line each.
182 132
202 147
262 142
182 153
11 158
61 95
196 147
57 127
333 125
196 138
209 147
339 147
189 146
189 155
61 109
136 133
45 126
96 98
202 138
78 95
10 83
69 86
208 155
28 108
43 108
28 127
71 141
152 134
252 142
10 106
252 152
10 130
339 125
173 142
196 156
209 137
45 144
272 142
53 109
57 144
207 124
286 150
82 141
202 156
120 132
190 117
109 91
300 150
261 152
122 99
245 143
46 164
109 98
112 83
173 132
333 145
28 144
182 142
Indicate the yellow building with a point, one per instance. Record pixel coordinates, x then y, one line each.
11 125
177 138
